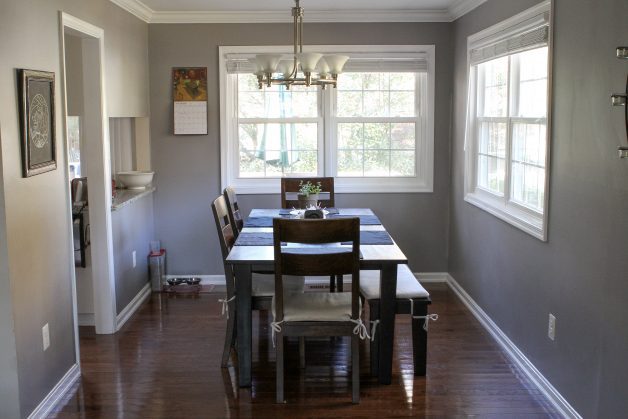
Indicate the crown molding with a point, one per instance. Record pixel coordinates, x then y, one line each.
462 7
136 8
312 16
148 15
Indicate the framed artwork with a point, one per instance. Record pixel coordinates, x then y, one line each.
37 121
189 94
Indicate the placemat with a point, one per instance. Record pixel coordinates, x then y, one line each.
266 239
364 219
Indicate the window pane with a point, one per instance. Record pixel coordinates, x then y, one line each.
493 80
528 185
402 163
403 136
350 163
376 95
493 138
350 136
491 173
275 101
532 101
377 136
528 143
377 163
279 148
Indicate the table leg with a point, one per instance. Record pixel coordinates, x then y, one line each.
244 323
387 289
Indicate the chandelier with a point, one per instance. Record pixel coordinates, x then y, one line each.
309 63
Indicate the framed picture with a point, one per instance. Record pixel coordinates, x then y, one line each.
37 121
189 94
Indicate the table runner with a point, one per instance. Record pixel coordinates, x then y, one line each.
268 221
266 238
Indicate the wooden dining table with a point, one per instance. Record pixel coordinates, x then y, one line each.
253 250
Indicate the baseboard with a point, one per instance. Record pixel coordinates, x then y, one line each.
132 307
548 390
56 394
432 277
86 319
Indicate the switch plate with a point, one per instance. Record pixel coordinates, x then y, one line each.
551 327
134 259
45 334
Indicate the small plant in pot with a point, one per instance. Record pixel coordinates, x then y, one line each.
308 194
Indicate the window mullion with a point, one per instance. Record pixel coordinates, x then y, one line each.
509 128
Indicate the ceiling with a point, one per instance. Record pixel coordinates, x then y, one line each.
248 11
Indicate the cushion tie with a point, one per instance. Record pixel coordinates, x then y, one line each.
374 328
427 317
360 328
276 328
225 304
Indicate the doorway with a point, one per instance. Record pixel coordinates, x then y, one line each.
82 59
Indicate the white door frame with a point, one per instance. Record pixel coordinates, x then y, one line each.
99 193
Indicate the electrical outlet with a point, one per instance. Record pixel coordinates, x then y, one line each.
551 327
45 334
134 259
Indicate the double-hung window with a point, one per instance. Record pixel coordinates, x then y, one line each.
373 133
507 138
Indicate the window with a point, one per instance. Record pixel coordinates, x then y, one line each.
507 128
374 133
74 146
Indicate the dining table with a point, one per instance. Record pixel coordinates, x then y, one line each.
253 251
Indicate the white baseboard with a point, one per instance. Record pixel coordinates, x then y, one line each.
432 277
132 307
86 319
56 394
548 390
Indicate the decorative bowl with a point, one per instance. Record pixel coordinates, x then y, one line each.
135 179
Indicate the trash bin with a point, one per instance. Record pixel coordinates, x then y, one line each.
157 269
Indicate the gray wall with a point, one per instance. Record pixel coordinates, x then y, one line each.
35 210
132 229
579 275
188 167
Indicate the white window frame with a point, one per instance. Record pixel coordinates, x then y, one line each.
424 149
527 219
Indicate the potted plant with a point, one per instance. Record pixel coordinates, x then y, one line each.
308 194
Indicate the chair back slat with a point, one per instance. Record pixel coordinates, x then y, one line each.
235 216
316 231
292 185
224 228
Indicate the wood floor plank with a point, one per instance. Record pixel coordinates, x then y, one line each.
165 363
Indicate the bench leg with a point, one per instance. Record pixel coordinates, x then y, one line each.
339 283
332 283
419 340
355 368
373 316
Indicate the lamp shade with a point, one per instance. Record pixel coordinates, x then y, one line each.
336 63
308 61
267 62
285 67
258 70
323 68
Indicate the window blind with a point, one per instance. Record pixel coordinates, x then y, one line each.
518 43
389 62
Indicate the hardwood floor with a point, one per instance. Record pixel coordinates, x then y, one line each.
165 363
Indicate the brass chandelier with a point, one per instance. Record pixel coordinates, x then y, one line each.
303 68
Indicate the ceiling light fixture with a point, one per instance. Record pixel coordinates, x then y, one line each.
301 69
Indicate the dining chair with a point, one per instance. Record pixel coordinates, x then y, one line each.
317 313
262 287
411 298
235 216
291 185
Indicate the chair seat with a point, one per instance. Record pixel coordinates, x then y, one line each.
316 306
263 285
407 284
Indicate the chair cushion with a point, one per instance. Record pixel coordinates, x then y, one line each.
407 284
316 306
263 285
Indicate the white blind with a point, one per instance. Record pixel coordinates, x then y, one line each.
388 62
518 43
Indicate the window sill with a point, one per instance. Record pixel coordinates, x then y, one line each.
526 221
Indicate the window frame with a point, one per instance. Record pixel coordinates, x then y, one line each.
504 206
424 148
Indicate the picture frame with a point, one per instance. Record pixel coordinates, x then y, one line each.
36 91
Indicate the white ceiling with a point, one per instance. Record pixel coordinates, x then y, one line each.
246 11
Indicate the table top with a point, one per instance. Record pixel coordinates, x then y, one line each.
372 255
